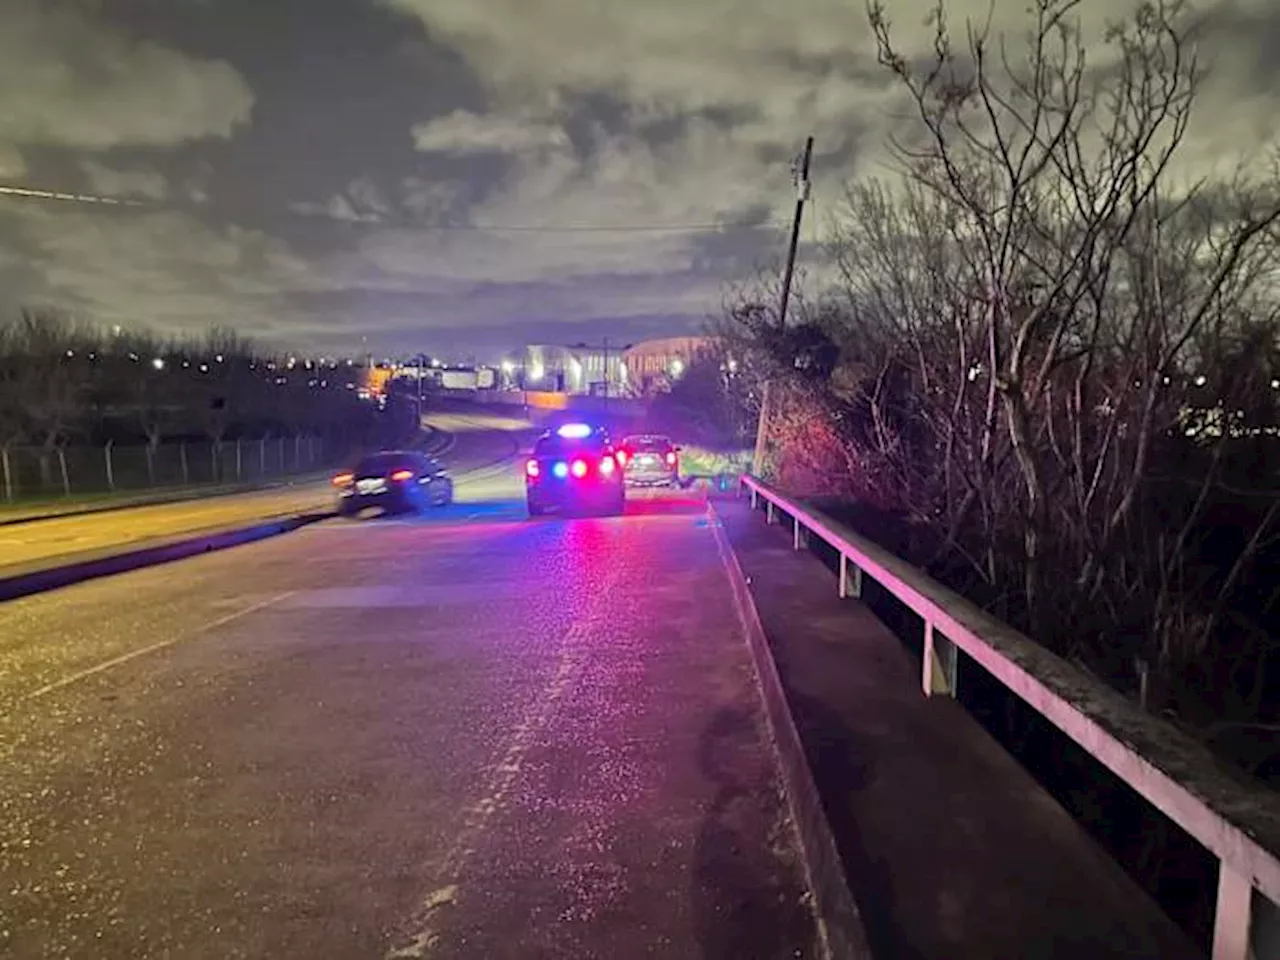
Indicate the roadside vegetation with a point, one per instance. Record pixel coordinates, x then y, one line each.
1049 374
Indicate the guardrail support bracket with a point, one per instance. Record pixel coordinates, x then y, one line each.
850 578
1231 921
940 663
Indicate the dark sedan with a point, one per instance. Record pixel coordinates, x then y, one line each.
396 481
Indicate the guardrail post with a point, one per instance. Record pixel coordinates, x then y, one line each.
755 499
797 534
106 456
850 578
769 512
182 458
1231 921
939 664
66 477
239 460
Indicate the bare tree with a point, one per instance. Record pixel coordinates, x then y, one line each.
49 351
1056 359
1057 180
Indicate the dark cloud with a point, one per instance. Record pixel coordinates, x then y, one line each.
438 174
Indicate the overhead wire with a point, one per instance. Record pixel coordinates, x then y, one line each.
711 226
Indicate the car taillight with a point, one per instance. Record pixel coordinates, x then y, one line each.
579 469
400 476
606 466
343 479
622 458
671 459
531 468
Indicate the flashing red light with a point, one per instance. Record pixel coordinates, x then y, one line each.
579 469
531 468
606 466
343 479
671 459
402 475
621 455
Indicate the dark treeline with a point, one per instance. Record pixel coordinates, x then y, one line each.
64 382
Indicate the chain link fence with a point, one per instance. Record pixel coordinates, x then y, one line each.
36 473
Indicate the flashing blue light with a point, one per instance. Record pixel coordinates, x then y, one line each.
561 469
574 431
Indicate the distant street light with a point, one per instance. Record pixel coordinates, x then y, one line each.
158 363
677 367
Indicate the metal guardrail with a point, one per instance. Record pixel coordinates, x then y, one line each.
1239 823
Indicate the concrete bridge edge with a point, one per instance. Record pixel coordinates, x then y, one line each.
840 929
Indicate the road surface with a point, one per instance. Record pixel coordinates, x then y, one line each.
469 735
479 442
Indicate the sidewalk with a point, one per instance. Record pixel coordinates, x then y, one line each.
55 507
952 851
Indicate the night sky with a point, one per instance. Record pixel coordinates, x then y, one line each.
445 175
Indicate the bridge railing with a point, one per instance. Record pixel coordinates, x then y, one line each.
1239 823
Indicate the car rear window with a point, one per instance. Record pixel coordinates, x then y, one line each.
559 446
385 462
647 444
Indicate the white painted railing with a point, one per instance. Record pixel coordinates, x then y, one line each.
1237 821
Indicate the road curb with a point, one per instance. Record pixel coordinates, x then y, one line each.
840 926
54 578
164 500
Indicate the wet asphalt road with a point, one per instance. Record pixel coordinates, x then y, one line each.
465 735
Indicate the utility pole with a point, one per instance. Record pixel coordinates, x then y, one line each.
421 362
801 179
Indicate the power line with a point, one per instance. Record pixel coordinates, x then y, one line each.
28 193
31 194
601 228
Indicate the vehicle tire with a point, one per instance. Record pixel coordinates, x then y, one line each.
619 506
446 495
535 509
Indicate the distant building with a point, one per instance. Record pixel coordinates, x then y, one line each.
577 369
653 365
623 370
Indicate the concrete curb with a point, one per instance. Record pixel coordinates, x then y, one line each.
53 578
161 500
840 929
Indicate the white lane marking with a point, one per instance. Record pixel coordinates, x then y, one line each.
502 781
133 655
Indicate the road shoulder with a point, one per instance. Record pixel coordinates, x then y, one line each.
950 848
